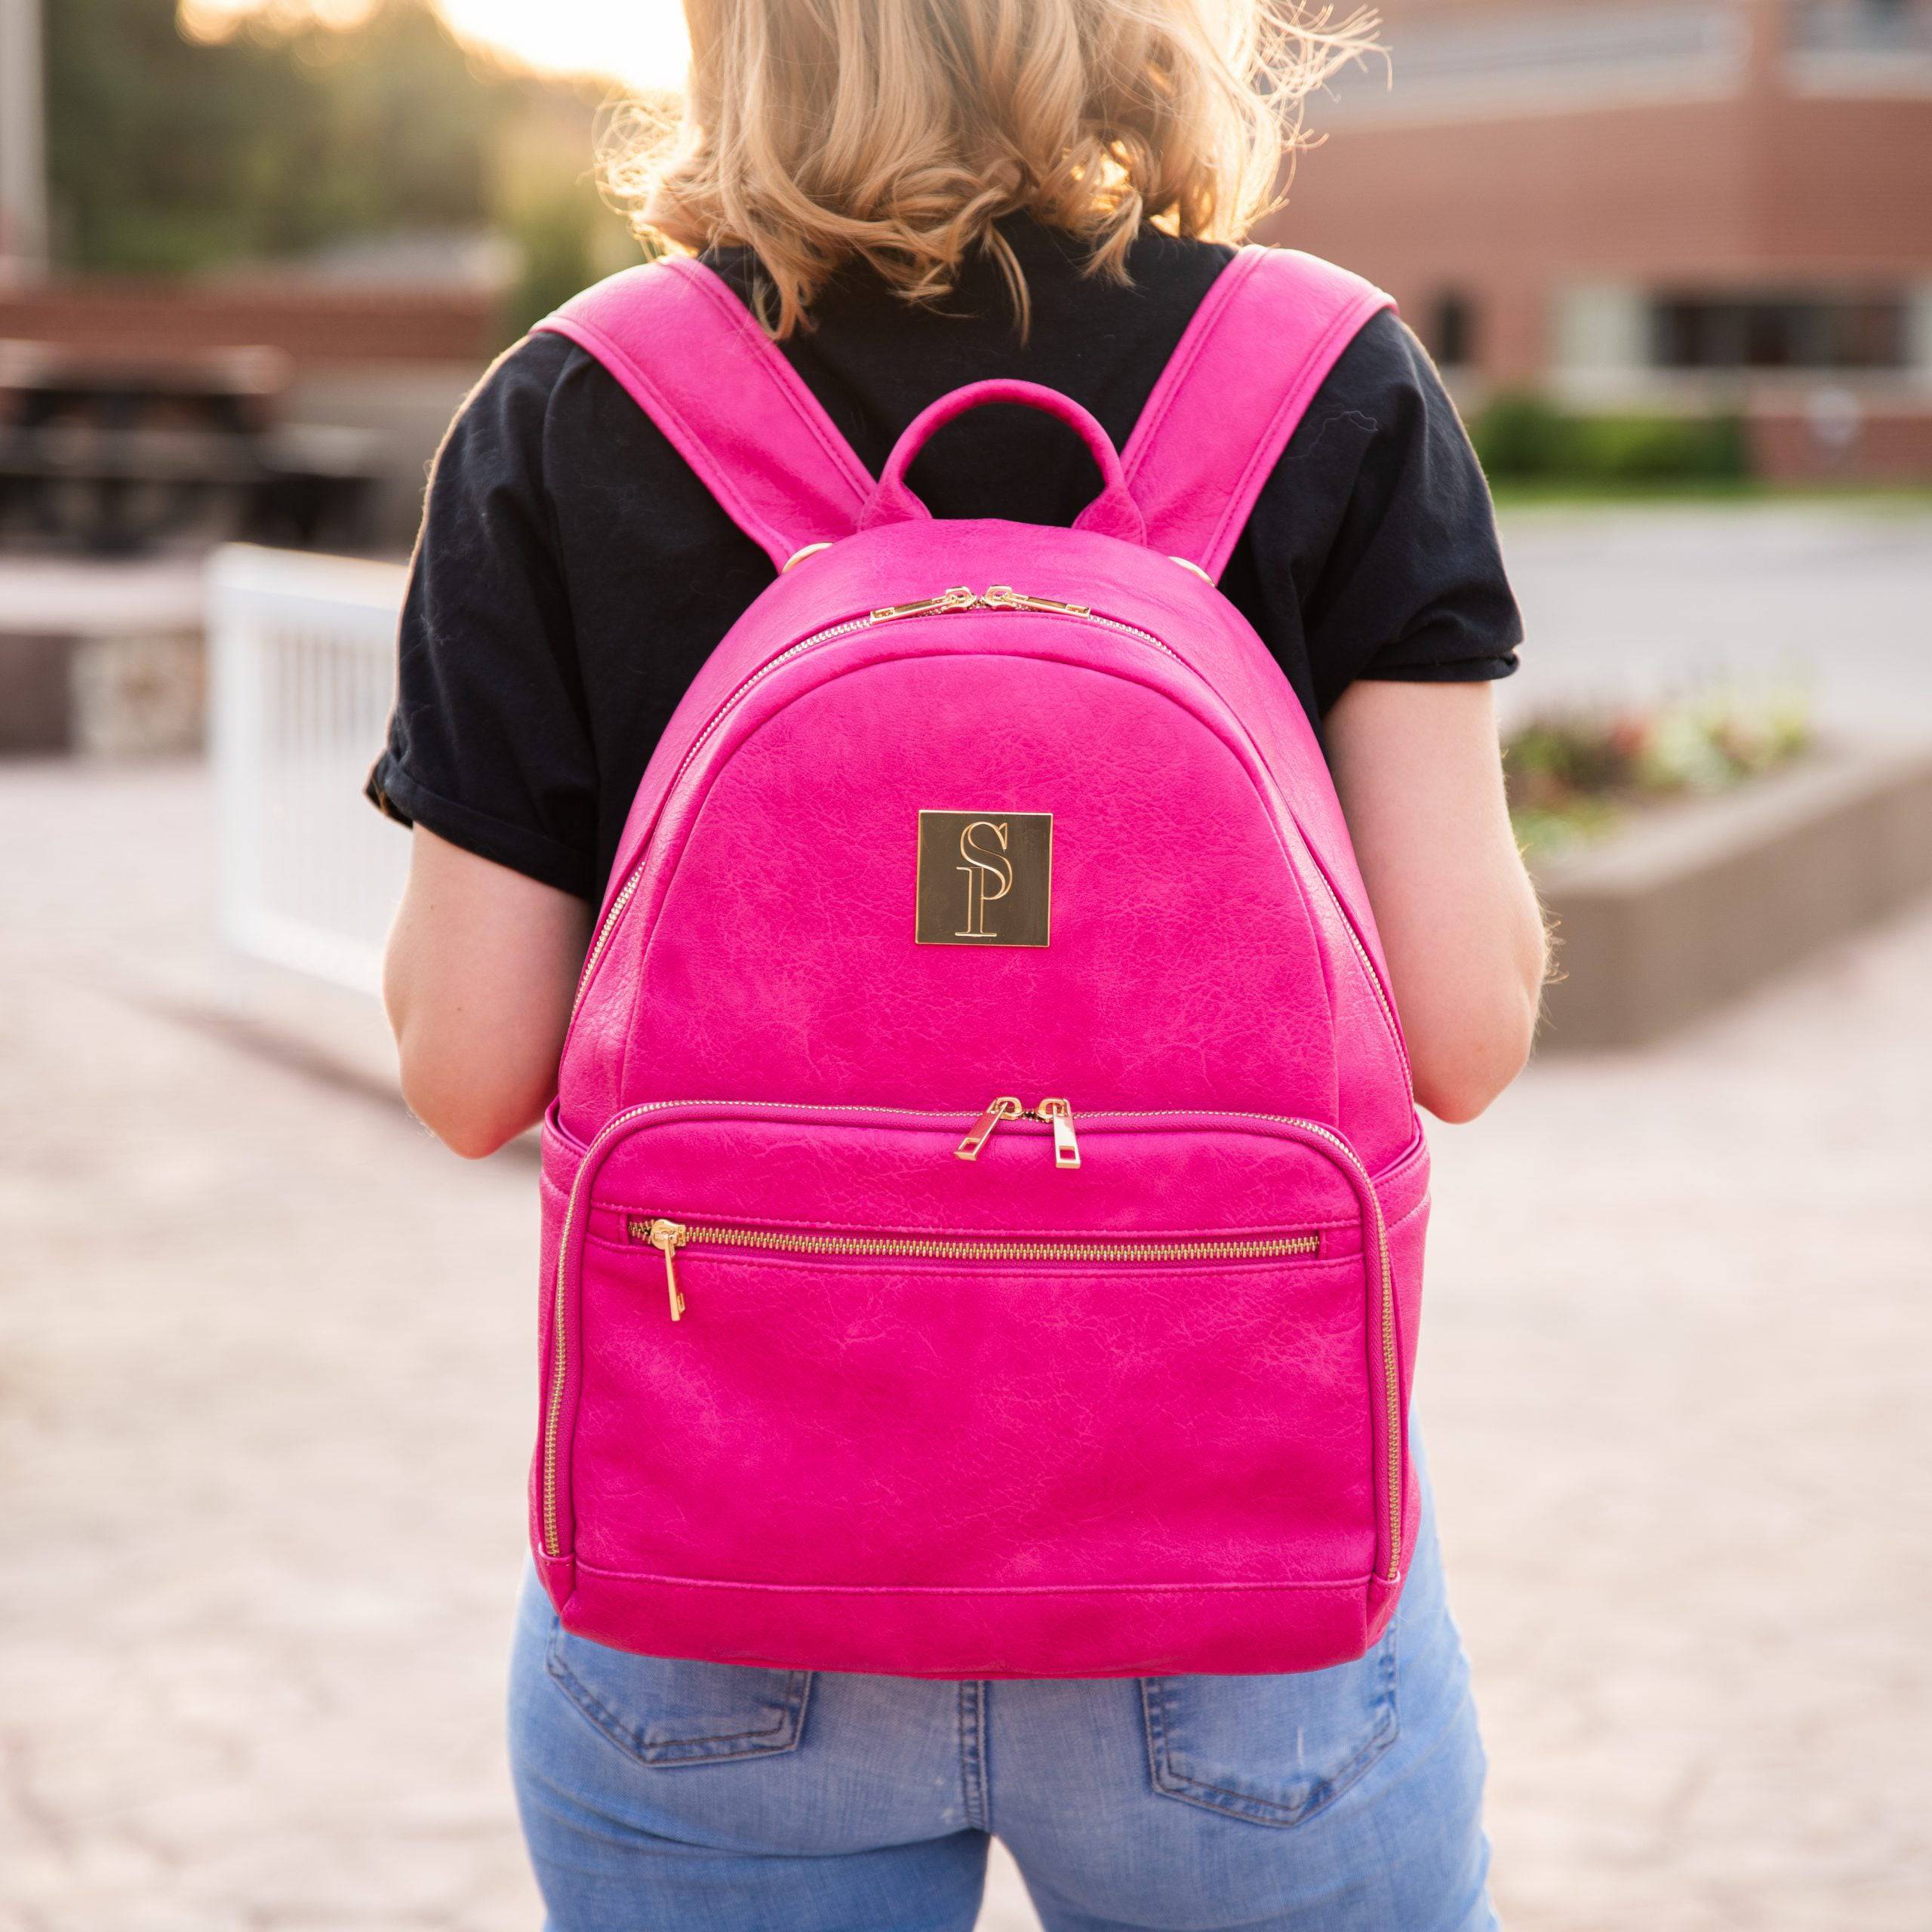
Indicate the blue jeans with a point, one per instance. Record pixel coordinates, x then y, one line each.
711 1798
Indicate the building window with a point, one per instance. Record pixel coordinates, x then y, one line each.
1451 333
1778 331
1862 27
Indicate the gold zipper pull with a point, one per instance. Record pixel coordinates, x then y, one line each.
958 599
1005 1108
1003 597
668 1237
1066 1148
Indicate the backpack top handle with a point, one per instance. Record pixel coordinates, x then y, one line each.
1112 513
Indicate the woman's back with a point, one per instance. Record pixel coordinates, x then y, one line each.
574 574
897 186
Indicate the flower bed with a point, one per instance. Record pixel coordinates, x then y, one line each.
1574 776
1688 855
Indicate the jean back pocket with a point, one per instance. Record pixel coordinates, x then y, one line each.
668 1710
1272 1750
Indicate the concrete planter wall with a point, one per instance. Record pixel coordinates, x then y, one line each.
1691 904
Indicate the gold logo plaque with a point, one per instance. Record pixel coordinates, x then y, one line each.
986 878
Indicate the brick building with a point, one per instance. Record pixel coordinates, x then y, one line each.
1654 203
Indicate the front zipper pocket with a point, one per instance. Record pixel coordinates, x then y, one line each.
670 1236
928 1371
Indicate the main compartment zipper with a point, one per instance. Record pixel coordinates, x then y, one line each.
994 597
669 1236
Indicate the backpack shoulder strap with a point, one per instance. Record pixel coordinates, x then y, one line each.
693 358
1268 332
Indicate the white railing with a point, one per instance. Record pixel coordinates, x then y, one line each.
304 651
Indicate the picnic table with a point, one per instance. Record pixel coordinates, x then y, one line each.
112 453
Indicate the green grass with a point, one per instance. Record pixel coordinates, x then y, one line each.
1898 499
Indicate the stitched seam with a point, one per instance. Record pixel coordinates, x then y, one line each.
1324 1789
633 1743
674 422
983 1700
972 1717
1388 1728
1152 1734
1327 1786
1232 1122
1385 999
780 376
562 1669
1103 1238
1408 1215
1268 448
1101 1126
1335 1585
1264 451
1200 329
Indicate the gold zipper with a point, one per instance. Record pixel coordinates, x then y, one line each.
1003 597
1391 1375
553 1406
958 599
560 1332
667 1236
670 1236
1059 1114
1007 1107
1056 1114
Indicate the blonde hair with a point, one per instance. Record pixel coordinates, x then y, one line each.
896 133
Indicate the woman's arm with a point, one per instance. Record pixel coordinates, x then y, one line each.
478 979
1421 784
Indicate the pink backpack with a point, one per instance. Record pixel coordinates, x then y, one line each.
983 1207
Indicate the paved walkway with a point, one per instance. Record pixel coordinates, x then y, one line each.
1630 600
265 1388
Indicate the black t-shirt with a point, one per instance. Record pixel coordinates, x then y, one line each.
573 573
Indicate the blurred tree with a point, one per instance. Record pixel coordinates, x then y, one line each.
168 153
544 196
165 154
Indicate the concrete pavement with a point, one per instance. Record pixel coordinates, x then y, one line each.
265 1387
1629 601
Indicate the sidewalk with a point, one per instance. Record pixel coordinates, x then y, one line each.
265 1387
1623 601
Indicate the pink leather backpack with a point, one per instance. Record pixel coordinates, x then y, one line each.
983 1207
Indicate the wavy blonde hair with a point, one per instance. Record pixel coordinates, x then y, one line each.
896 133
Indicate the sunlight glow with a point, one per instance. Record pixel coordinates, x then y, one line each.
640 42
